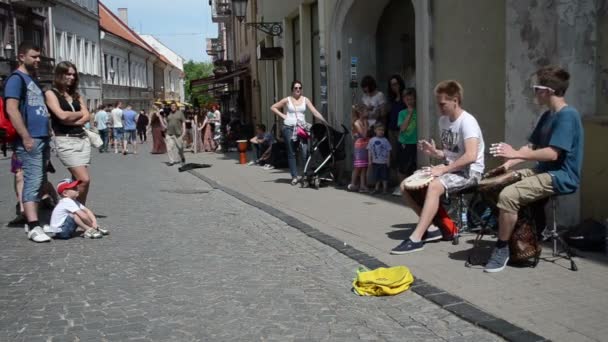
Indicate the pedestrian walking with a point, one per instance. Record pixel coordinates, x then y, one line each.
176 130
69 115
142 126
101 123
129 117
28 114
158 133
118 128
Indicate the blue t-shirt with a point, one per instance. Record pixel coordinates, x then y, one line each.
128 118
393 115
380 149
564 131
33 109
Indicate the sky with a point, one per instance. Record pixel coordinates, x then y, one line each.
182 25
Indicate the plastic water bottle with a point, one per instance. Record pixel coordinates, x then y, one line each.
463 219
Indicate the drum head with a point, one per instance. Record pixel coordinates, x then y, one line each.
419 179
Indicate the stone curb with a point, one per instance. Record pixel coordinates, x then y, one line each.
445 300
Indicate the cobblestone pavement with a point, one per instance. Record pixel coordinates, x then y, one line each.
185 262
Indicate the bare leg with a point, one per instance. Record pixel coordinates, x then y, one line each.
506 224
363 176
19 188
81 223
429 210
355 177
81 173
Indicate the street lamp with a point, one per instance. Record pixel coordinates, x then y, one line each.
9 51
239 8
112 73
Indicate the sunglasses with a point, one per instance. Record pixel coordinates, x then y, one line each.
540 87
297 88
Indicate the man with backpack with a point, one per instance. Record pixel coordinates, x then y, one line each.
26 109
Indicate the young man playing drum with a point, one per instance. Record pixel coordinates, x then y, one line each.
462 150
556 144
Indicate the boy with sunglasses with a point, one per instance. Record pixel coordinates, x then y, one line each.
556 144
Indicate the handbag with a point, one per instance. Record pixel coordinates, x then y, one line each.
94 138
523 244
382 281
302 133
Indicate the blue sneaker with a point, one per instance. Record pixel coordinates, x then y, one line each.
408 246
432 236
498 260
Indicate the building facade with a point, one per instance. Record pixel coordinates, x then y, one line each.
21 21
330 45
127 63
174 73
75 38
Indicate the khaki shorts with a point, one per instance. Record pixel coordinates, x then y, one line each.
73 151
533 187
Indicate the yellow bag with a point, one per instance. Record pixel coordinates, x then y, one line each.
382 281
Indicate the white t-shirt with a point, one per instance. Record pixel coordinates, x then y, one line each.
453 135
63 209
117 117
376 103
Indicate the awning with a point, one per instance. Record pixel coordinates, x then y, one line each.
221 79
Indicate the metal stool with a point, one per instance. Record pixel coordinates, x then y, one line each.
460 207
550 233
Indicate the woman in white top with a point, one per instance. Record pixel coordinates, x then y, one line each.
373 100
294 107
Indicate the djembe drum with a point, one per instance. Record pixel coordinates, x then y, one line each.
242 147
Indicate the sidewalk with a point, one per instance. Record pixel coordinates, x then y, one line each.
550 300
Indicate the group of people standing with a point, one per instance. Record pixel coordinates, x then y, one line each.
38 115
555 145
120 127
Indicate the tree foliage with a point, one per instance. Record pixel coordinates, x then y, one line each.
195 70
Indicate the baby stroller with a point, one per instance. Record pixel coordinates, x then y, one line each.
326 147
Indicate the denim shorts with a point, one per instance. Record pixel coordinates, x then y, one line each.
131 135
380 172
117 132
33 165
67 229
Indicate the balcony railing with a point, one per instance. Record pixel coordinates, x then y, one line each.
220 11
214 47
34 3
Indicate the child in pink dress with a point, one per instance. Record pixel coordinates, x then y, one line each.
360 155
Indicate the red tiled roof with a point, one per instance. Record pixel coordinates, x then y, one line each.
109 22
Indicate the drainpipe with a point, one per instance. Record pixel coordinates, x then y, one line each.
51 33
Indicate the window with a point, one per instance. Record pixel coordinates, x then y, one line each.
37 38
86 68
315 53
70 49
296 48
105 67
19 34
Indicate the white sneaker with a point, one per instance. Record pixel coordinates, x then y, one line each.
397 192
48 231
251 163
38 235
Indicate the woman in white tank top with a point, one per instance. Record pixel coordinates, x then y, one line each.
294 107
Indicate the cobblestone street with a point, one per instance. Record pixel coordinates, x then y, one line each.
185 262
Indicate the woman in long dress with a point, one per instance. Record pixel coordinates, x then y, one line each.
158 140
209 145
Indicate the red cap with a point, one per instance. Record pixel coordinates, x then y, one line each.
66 184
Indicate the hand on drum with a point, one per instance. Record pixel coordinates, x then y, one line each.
503 150
438 170
427 147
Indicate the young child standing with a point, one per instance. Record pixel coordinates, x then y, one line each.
380 157
360 155
69 214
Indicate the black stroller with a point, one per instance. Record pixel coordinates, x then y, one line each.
326 147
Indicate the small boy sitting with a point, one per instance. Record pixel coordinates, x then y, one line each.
69 215
262 142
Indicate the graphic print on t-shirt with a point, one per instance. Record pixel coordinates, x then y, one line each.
449 140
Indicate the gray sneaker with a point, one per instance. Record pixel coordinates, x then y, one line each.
498 260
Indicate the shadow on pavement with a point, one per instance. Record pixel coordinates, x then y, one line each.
402 234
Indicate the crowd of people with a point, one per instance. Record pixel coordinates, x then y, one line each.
36 116
384 138
384 135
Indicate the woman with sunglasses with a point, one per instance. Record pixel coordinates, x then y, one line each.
294 107
68 116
